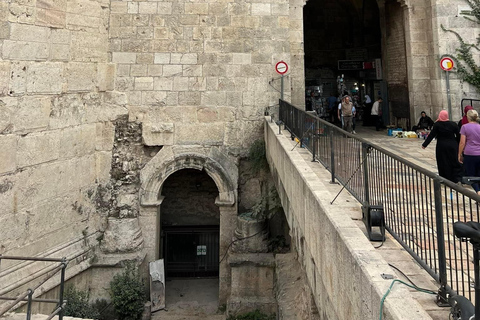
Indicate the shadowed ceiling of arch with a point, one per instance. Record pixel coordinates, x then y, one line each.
331 26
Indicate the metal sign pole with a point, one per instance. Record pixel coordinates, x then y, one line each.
448 95
281 88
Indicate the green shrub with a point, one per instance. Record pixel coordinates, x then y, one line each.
78 305
127 291
257 155
105 309
255 315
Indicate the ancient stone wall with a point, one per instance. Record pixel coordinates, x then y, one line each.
448 14
56 106
200 68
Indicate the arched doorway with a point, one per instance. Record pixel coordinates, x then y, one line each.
208 166
368 42
189 225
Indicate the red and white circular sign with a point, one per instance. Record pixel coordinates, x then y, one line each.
446 64
281 67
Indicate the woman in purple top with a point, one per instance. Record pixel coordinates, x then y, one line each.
469 149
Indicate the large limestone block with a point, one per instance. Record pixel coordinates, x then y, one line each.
4 77
38 183
208 134
31 113
106 77
81 76
78 141
8 152
22 50
122 235
105 135
60 52
103 165
158 134
45 77
51 18
18 78
89 47
29 33
38 148
214 98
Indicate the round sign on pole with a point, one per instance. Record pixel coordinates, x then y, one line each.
281 67
446 64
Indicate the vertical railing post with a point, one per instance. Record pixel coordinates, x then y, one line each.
442 260
365 151
29 304
62 288
332 154
314 134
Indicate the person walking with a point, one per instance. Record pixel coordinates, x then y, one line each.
464 119
447 135
346 113
332 103
375 114
469 148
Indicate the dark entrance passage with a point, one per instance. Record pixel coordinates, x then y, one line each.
190 224
343 55
191 251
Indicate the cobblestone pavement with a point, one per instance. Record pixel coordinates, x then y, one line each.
407 148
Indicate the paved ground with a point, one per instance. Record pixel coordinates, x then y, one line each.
190 299
407 148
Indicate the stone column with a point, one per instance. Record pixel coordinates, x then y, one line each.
228 220
149 219
418 57
297 53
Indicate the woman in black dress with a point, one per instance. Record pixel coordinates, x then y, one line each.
446 152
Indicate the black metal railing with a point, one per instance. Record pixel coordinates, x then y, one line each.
27 295
420 207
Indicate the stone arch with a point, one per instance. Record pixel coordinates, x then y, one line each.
221 168
166 162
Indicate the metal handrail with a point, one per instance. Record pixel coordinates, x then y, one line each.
50 272
420 206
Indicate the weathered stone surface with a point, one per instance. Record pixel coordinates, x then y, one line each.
204 134
81 76
105 77
158 134
45 77
8 153
38 148
122 235
31 114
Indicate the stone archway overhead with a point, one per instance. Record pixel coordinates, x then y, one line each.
170 160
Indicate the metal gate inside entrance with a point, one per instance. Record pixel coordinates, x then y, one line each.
191 251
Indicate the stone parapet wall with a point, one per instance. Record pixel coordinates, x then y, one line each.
343 269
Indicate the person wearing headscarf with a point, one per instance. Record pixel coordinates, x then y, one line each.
464 119
447 134
469 149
